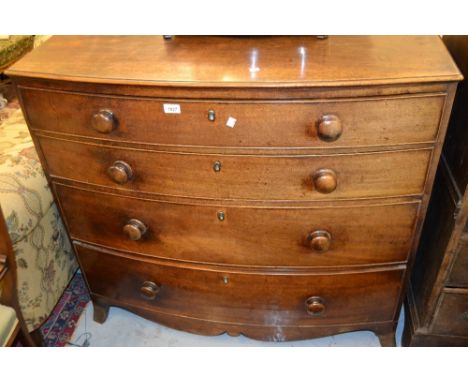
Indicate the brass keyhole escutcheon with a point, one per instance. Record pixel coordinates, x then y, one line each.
217 166
211 115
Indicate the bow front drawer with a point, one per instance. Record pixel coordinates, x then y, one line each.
373 121
240 235
312 177
269 299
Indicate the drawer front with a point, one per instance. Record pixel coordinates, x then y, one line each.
362 122
452 315
458 276
338 236
313 177
263 299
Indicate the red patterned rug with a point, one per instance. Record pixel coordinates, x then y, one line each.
59 327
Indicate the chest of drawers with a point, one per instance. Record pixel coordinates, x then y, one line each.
272 187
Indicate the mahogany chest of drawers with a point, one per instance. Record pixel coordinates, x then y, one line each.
437 298
272 187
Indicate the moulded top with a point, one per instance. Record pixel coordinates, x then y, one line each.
256 61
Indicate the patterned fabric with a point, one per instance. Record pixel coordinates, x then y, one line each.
44 257
24 193
60 326
45 263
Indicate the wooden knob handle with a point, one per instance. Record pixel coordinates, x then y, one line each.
329 128
315 306
319 240
324 180
120 172
149 290
104 121
135 229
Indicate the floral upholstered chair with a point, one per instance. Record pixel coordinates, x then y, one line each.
9 323
44 258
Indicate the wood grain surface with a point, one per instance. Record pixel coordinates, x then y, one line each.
244 298
269 236
395 173
377 121
281 197
225 61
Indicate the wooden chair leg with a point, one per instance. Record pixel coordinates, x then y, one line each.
37 338
27 339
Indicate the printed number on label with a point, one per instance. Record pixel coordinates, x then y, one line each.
171 108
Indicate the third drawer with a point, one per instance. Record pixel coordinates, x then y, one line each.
345 235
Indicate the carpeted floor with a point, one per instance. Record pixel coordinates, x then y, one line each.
61 324
6 91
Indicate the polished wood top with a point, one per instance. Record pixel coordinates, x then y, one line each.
292 61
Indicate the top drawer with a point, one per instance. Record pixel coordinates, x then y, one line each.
321 123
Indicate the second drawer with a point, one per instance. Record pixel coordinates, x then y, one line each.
282 237
297 177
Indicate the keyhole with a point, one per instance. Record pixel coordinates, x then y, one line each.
217 166
211 115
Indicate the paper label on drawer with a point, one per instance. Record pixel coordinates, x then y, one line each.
231 122
171 108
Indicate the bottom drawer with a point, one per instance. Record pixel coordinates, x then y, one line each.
240 297
452 315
